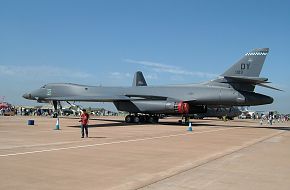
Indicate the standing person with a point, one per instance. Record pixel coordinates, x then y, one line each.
270 119
84 123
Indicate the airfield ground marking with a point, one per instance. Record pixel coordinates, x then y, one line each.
114 142
37 145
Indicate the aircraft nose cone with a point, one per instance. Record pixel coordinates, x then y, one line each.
26 96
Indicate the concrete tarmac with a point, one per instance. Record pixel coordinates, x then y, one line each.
239 154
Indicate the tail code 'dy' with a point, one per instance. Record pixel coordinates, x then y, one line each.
250 65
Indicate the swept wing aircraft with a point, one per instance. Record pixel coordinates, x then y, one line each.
219 112
235 87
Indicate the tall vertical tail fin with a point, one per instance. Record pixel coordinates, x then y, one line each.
139 79
244 74
250 65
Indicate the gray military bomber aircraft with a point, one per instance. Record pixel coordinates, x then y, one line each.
235 87
229 112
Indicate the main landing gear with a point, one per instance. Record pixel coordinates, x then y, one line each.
142 119
185 120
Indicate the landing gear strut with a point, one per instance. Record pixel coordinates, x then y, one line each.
184 120
56 111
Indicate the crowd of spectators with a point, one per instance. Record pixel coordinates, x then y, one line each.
11 111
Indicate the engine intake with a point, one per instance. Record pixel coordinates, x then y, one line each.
182 108
185 108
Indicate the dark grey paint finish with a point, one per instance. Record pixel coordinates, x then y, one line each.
140 98
229 112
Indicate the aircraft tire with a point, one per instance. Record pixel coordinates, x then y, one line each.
156 119
146 118
153 119
128 119
136 119
142 119
55 115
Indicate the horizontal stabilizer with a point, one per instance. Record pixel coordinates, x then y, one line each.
244 79
249 81
266 86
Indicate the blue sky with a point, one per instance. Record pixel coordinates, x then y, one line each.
171 41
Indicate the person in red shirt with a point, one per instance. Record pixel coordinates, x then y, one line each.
84 123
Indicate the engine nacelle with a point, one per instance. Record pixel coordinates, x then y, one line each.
159 107
198 109
182 108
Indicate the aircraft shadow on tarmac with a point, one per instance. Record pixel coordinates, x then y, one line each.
265 127
240 126
115 123
197 123
121 123
97 137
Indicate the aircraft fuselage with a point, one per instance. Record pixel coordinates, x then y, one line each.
149 99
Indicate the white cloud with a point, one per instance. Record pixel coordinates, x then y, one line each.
159 67
118 75
29 71
151 76
126 76
115 74
151 64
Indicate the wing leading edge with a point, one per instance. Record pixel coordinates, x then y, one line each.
131 97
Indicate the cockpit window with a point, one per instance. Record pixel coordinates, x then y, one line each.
43 86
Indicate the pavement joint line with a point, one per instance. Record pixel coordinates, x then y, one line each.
46 144
114 142
42 131
207 161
